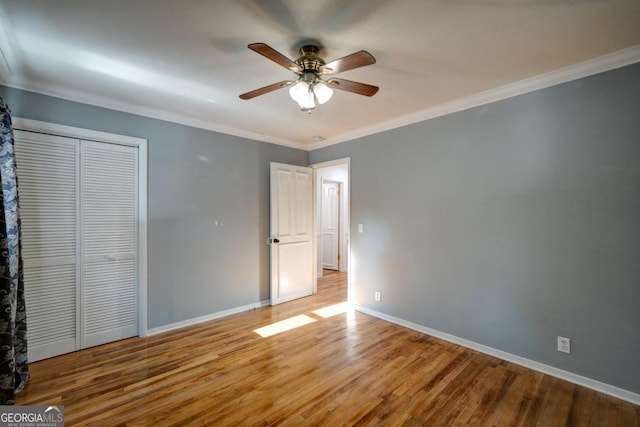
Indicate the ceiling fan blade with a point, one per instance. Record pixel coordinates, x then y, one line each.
266 89
355 87
272 54
349 62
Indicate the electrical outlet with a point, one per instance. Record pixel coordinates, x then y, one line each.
377 296
564 345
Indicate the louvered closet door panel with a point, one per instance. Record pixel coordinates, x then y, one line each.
109 194
48 191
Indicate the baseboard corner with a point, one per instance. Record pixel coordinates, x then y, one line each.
574 378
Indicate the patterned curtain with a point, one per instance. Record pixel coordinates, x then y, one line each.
14 371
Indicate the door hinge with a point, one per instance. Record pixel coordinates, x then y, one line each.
338 257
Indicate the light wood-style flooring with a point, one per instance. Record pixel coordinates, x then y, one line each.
344 369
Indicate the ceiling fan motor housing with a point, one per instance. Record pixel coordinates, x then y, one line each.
309 60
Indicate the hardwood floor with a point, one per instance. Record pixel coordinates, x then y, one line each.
345 369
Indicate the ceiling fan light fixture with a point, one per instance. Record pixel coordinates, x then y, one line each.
299 91
323 92
308 101
306 94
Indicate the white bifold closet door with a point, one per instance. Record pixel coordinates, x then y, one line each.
108 194
78 202
48 190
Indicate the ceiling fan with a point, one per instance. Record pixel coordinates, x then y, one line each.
310 87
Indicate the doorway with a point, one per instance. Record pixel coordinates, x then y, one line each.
331 179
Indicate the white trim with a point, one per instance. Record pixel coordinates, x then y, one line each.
206 318
154 113
601 64
330 163
143 212
317 273
74 132
587 68
141 144
8 46
527 363
4 66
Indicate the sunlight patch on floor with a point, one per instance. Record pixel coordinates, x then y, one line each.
332 310
284 325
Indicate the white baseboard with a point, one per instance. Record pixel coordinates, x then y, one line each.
541 367
206 318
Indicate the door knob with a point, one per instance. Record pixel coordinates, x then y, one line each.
276 240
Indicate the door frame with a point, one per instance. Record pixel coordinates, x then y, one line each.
92 135
317 186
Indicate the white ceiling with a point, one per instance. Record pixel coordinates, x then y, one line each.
187 61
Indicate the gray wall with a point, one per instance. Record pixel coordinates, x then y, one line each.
510 224
195 177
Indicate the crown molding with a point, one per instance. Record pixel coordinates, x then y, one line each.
8 47
591 67
584 69
103 102
5 71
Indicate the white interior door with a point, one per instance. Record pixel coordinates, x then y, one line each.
330 224
291 232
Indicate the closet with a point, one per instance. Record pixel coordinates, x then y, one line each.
79 213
